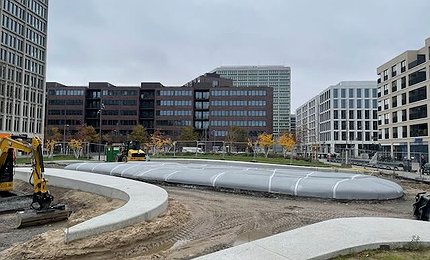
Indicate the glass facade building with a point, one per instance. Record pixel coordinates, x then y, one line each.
276 77
23 66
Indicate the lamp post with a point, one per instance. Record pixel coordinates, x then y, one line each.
102 107
213 145
64 138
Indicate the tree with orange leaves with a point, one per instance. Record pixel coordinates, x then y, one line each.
265 141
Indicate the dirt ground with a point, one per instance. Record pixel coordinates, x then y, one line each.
198 221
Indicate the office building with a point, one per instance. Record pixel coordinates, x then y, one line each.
341 116
209 103
404 104
23 66
276 77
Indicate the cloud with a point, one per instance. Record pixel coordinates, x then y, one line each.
324 42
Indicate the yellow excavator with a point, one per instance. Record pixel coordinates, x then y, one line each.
41 208
131 151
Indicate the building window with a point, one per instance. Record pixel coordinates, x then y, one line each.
394 86
343 93
335 93
359 93
394 101
404 131
393 71
404 115
418 94
403 82
418 112
351 93
403 66
366 93
395 117
418 130
403 99
395 133
385 75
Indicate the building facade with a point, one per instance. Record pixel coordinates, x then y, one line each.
404 104
276 77
23 66
208 103
343 116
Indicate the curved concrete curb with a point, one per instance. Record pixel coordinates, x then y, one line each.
144 201
331 238
294 181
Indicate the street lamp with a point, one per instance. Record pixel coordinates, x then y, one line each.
64 138
213 145
102 107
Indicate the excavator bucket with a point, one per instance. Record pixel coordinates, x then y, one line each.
40 217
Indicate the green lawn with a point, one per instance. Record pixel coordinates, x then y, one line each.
245 158
398 254
25 160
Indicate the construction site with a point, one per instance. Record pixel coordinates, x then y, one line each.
192 220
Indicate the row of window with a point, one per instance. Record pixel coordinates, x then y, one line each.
226 113
120 102
237 123
174 102
355 103
175 93
414 96
13 9
418 112
174 112
352 114
173 122
63 112
13 25
11 91
115 93
352 93
402 132
64 92
352 125
65 102
27 126
238 93
342 136
233 103
253 72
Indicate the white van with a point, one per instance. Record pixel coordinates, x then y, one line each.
192 150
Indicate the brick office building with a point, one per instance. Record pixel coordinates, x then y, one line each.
208 103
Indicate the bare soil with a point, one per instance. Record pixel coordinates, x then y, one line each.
198 221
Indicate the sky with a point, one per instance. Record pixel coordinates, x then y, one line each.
324 42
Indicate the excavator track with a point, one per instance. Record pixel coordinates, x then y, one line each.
12 203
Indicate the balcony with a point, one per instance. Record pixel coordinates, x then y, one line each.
420 59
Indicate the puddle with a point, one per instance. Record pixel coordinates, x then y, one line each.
250 236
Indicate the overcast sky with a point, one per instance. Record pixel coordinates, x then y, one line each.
126 42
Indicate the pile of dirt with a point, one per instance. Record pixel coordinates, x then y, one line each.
135 240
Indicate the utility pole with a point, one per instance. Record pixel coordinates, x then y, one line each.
102 107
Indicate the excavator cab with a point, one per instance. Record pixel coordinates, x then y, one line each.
6 170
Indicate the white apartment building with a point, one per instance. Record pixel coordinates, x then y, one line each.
277 77
22 66
341 116
404 104
307 126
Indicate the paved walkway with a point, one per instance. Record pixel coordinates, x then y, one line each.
144 201
331 238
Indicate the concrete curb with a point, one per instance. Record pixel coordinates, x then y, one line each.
144 201
332 238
